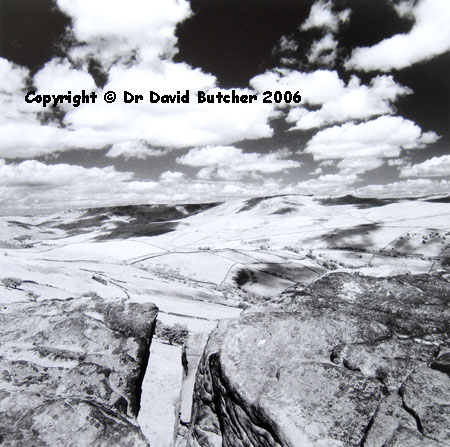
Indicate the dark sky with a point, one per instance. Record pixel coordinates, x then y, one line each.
234 39
31 31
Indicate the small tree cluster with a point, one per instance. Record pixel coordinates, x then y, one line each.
32 296
12 283
175 335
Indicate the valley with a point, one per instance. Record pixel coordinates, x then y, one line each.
203 264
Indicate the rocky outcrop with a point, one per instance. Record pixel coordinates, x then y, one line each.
352 361
71 372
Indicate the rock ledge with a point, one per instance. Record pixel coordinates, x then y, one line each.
71 372
352 361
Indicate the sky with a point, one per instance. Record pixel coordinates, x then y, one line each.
372 75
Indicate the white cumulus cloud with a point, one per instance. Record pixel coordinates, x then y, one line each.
112 30
31 185
323 16
429 37
433 167
315 88
406 188
231 162
385 136
171 176
350 166
58 77
354 101
337 101
323 50
133 149
134 41
327 184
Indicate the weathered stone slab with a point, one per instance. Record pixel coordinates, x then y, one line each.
347 364
71 372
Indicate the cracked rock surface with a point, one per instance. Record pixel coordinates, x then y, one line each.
352 361
71 372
